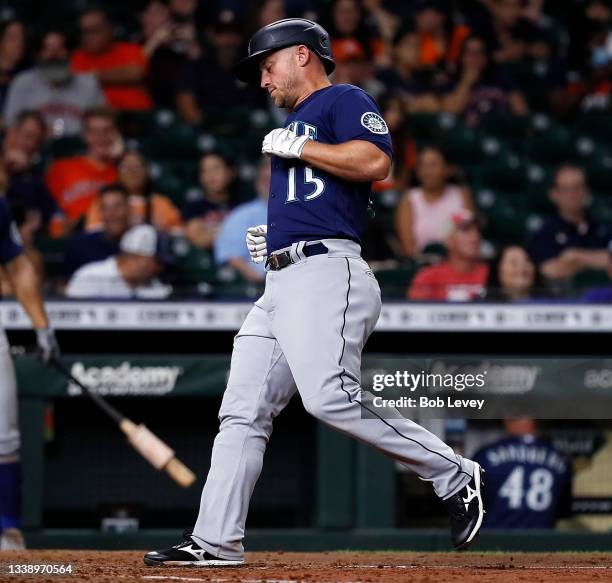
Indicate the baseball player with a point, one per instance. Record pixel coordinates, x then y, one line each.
529 482
321 300
27 289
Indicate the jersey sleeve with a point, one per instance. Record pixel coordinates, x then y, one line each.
355 116
10 240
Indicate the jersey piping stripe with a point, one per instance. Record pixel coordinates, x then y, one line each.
343 373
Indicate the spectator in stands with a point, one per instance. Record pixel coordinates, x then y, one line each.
146 206
120 67
406 77
133 274
513 276
423 212
203 217
529 482
404 147
208 85
169 41
12 54
479 88
462 276
509 34
440 39
230 247
103 242
20 159
592 90
74 182
350 32
572 240
51 88
28 223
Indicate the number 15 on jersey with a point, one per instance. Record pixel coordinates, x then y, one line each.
308 178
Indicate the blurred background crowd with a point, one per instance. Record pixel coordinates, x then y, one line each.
131 155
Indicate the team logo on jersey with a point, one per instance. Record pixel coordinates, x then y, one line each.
374 122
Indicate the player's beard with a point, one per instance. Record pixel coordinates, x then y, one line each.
286 92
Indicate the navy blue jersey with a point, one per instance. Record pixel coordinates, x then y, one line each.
10 240
527 483
307 204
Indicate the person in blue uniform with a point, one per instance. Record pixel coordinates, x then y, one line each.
528 481
25 282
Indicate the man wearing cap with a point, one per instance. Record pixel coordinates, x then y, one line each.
320 303
130 275
463 276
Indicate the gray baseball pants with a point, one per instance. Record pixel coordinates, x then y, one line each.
306 333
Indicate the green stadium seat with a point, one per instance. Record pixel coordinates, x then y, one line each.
596 125
394 283
599 173
506 126
505 172
552 146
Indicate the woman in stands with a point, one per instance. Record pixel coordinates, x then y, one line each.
513 277
424 210
203 217
146 206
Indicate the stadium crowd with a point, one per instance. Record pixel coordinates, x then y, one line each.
131 155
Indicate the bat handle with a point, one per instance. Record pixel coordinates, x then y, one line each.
180 473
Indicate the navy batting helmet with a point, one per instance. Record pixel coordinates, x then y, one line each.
281 34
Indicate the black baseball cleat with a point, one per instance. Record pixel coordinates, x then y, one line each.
187 554
466 510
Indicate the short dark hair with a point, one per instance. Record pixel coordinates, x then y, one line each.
114 187
565 166
104 112
40 38
27 114
94 9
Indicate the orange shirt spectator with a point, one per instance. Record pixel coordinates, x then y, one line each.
432 53
74 183
164 216
120 67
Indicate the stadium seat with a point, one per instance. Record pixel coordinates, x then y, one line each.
394 283
596 125
505 172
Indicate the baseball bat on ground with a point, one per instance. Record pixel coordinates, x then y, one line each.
143 440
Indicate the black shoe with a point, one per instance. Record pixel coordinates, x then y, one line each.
466 511
187 553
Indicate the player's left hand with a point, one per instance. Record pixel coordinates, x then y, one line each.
284 143
48 348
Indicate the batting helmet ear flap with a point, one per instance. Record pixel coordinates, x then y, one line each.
281 34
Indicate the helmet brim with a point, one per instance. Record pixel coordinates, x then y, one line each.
248 69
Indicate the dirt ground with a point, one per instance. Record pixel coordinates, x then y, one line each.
342 567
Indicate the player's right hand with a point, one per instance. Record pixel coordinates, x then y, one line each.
256 243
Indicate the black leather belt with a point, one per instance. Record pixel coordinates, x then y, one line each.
281 260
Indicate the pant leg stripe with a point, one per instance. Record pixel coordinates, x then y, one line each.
343 373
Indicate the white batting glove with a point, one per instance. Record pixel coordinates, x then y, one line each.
284 143
256 243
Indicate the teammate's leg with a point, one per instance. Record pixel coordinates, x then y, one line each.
328 309
260 385
10 468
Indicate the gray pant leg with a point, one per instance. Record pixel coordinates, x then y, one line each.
9 428
325 310
259 387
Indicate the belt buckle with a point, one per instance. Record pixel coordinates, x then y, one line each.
279 261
